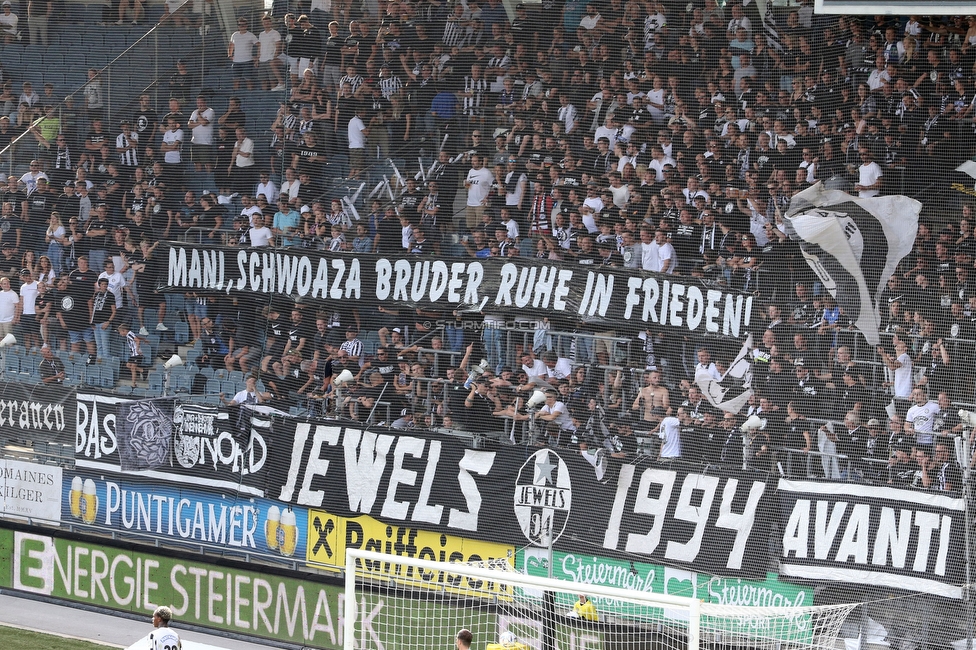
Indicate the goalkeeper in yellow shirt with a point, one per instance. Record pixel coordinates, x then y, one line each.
584 609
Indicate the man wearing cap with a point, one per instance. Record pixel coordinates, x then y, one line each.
163 637
351 350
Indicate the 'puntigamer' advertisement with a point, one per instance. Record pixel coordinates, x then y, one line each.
223 521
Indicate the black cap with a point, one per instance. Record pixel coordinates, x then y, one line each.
25 272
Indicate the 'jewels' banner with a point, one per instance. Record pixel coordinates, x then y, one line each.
511 495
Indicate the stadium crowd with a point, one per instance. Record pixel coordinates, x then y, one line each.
649 135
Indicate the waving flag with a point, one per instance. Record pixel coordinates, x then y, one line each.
733 391
854 246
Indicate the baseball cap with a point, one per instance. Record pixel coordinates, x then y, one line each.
798 362
397 330
25 272
873 422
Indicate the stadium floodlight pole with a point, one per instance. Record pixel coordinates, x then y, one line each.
350 606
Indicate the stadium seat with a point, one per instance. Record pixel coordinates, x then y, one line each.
181 333
156 380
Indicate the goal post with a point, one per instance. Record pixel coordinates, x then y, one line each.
394 602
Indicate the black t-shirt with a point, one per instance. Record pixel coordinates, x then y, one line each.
143 122
277 334
102 304
298 331
74 302
390 234
333 51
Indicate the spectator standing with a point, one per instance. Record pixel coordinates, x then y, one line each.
201 135
240 51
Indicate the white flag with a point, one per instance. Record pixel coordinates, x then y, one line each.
734 389
854 246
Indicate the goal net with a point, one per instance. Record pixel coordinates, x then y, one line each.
397 603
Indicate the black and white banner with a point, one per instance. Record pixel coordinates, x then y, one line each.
873 535
854 246
37 412
182 443
716 524
507 285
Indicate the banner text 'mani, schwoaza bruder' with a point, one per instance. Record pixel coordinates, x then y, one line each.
485 285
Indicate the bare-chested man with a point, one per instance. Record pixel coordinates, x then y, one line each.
651 395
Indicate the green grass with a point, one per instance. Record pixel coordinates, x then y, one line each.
12 638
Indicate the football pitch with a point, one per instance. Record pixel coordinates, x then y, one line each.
12 638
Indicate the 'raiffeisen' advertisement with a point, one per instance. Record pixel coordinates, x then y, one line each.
163 511
330 535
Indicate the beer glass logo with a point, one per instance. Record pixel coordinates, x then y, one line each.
272 527
89 502
74 497
288 533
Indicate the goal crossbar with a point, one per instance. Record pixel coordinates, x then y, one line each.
693 605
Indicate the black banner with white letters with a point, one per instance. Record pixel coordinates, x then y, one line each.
205 446
873 535
714 524
37 412
529 287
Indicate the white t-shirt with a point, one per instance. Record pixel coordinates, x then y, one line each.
656 96
537 369
202 133
163 638
246 146
670 434
115 285
269 190
173 137
290 189
268 44
563 420
260 236
243 46
903 377
665 253
649 259
562 370
511 229
28 294
480 181
869 175
9 23
922 419
8 302
357 140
